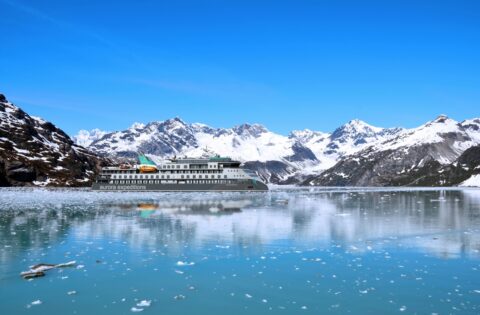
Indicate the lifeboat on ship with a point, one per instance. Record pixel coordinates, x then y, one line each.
147 169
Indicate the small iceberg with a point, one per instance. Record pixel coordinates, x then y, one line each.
38 270
144 303
184 263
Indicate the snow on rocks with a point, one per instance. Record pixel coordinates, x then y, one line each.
473 181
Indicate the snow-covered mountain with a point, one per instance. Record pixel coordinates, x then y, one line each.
35 152
278 158
85 137
415 156
345 140
354 154
440 152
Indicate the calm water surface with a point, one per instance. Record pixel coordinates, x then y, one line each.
292 251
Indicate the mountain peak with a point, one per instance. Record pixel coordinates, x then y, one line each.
360 124
3 99
354 128
176 119
252 129
137 125
441 118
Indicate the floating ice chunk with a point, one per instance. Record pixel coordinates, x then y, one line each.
80 266
403 308
185 263
304 307
476 291
36 302
179 297
39 269
248 296
264 301
144 303
67 264
136 310
72 292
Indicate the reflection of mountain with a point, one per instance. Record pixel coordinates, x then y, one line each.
439 222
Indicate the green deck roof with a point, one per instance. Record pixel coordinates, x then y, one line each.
145 160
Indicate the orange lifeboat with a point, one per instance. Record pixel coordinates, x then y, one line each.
147 168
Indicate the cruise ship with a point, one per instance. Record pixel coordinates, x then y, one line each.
187 174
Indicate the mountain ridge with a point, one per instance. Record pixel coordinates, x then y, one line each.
300 155
440 152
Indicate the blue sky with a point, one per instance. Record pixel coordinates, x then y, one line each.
285 64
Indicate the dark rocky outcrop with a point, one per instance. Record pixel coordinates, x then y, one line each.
380 171
35 152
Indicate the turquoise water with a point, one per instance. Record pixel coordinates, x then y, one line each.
291 251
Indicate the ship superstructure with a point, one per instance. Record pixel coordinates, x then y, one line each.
186 174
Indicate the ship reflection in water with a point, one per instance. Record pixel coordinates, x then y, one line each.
332 251
148 209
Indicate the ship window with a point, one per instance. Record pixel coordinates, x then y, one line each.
219 176
225 176
168 176
185 166
188 176
182 176
199 176
194 176
178 166
213 176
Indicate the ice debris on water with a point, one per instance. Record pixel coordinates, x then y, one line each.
36 302
72 292
136 310
184 263
39 269
144 303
